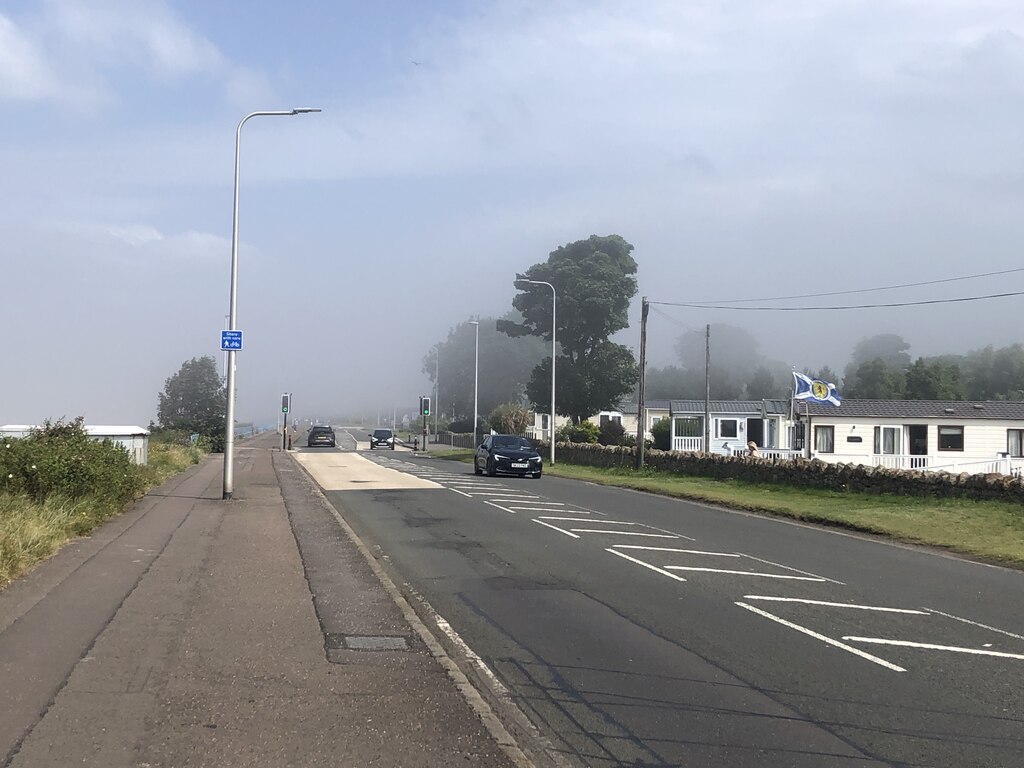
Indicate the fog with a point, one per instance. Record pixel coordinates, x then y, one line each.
747 150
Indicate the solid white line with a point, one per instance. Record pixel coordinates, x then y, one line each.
556 528
816 636
670 549
609 522
976 624
626 533
933 647
468 652
456 490
527 500
544 509
745 573
795 570
646 565
835 605
503 509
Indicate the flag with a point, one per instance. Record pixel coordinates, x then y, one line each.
806 388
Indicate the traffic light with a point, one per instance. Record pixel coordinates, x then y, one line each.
424 406
286 401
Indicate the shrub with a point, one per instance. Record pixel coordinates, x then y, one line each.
60 459
509 419
584 432
611 433
662 432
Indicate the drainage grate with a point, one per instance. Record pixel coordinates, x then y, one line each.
336 642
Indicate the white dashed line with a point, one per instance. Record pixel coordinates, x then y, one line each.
456 490
603 522
816 636
654 568
933 647
835 605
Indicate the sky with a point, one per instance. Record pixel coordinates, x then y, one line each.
746 148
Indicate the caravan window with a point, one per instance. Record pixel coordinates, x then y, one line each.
825 439
951 438
1015 442
727 428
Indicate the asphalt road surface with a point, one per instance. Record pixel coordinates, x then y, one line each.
643 631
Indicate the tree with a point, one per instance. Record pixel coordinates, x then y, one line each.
874 380
194 399
934 380
890 348
594 280
764 385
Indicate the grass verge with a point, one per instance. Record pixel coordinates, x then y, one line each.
986 530
32 531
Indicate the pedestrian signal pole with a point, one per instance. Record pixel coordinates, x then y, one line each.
286 403
424 412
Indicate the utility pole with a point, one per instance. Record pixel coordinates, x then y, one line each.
437 386
641 426
707 388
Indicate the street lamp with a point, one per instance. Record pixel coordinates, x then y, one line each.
229 429
476 375
553 301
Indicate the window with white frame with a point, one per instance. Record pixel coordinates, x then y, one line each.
825 439
951 438
1015 442
727 428
887 440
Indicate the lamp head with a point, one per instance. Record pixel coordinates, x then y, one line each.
305 110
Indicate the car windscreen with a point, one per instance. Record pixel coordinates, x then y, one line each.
520 443
382 433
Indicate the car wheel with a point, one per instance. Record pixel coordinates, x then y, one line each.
476 468
491 471
536 475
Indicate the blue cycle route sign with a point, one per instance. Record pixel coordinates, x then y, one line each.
230 340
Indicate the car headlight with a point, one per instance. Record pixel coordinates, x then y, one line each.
535 458
499 456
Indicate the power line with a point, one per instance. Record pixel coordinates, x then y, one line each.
864 290
841 307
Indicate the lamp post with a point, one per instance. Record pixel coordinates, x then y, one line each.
476 375
554 299
229 429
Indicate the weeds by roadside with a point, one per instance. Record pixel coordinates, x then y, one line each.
57 484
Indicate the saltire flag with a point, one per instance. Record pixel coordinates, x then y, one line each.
806 388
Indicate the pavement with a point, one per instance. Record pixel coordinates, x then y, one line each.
192 631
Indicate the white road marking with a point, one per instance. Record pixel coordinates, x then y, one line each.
744 573
556 528
835 605
976 624
503 509
456 490
603 522
541 501
816 636
795 570
468 652
545 509
933 647
505 496
626 533
645 565
670 549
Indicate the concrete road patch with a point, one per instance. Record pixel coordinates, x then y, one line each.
335 471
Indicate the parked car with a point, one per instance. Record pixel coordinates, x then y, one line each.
382 438
509 454
321 436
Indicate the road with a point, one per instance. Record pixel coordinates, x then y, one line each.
638 630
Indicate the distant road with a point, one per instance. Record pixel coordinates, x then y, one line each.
636 630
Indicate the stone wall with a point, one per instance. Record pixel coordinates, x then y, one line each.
803 473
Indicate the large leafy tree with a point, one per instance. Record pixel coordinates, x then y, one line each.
934 380
595 280
194 399
873 379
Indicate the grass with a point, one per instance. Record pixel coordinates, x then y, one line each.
987 530
33 531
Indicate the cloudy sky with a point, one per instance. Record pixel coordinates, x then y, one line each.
747 148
